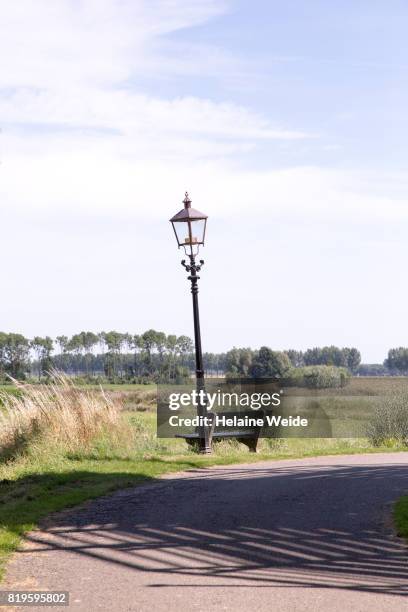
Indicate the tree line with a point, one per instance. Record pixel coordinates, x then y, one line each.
397 361
266 362
154 355
108 354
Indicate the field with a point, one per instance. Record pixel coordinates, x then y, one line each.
46 472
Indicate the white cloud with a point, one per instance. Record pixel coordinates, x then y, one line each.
73 65
92 166
69 41
137 115
75 137
100 180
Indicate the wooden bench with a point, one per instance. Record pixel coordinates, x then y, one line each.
248 436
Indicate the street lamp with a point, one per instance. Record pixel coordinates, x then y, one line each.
189 227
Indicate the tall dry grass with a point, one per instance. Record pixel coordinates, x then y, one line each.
389 421
59 412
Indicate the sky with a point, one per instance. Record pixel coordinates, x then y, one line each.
285 121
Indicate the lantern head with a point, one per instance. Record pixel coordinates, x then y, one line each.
189 227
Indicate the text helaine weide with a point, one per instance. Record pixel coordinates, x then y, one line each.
238 421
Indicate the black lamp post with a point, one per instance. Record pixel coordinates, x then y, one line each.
189 227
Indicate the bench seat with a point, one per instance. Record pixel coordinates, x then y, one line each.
249 436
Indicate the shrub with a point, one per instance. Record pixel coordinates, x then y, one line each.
389 422
319 377
325 377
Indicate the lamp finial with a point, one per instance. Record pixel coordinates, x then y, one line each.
187 201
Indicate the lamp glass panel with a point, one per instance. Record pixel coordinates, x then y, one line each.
181 229
197 232
191 228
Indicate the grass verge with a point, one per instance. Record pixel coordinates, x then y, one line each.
67 445
49 479
401 516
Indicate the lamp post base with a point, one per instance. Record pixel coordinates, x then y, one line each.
205 451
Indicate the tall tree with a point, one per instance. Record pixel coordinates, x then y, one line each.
268 363
63 359
185 348
136 346
75 347
149 341
239 361
62 342
353 359
16 355
296 358
89 341
3 344
43 348
114 341
171 346
397 360
37 345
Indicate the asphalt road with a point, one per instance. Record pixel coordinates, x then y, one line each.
312 534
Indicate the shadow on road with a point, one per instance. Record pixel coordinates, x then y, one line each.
317 526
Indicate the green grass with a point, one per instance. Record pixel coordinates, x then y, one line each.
48 478
401 516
